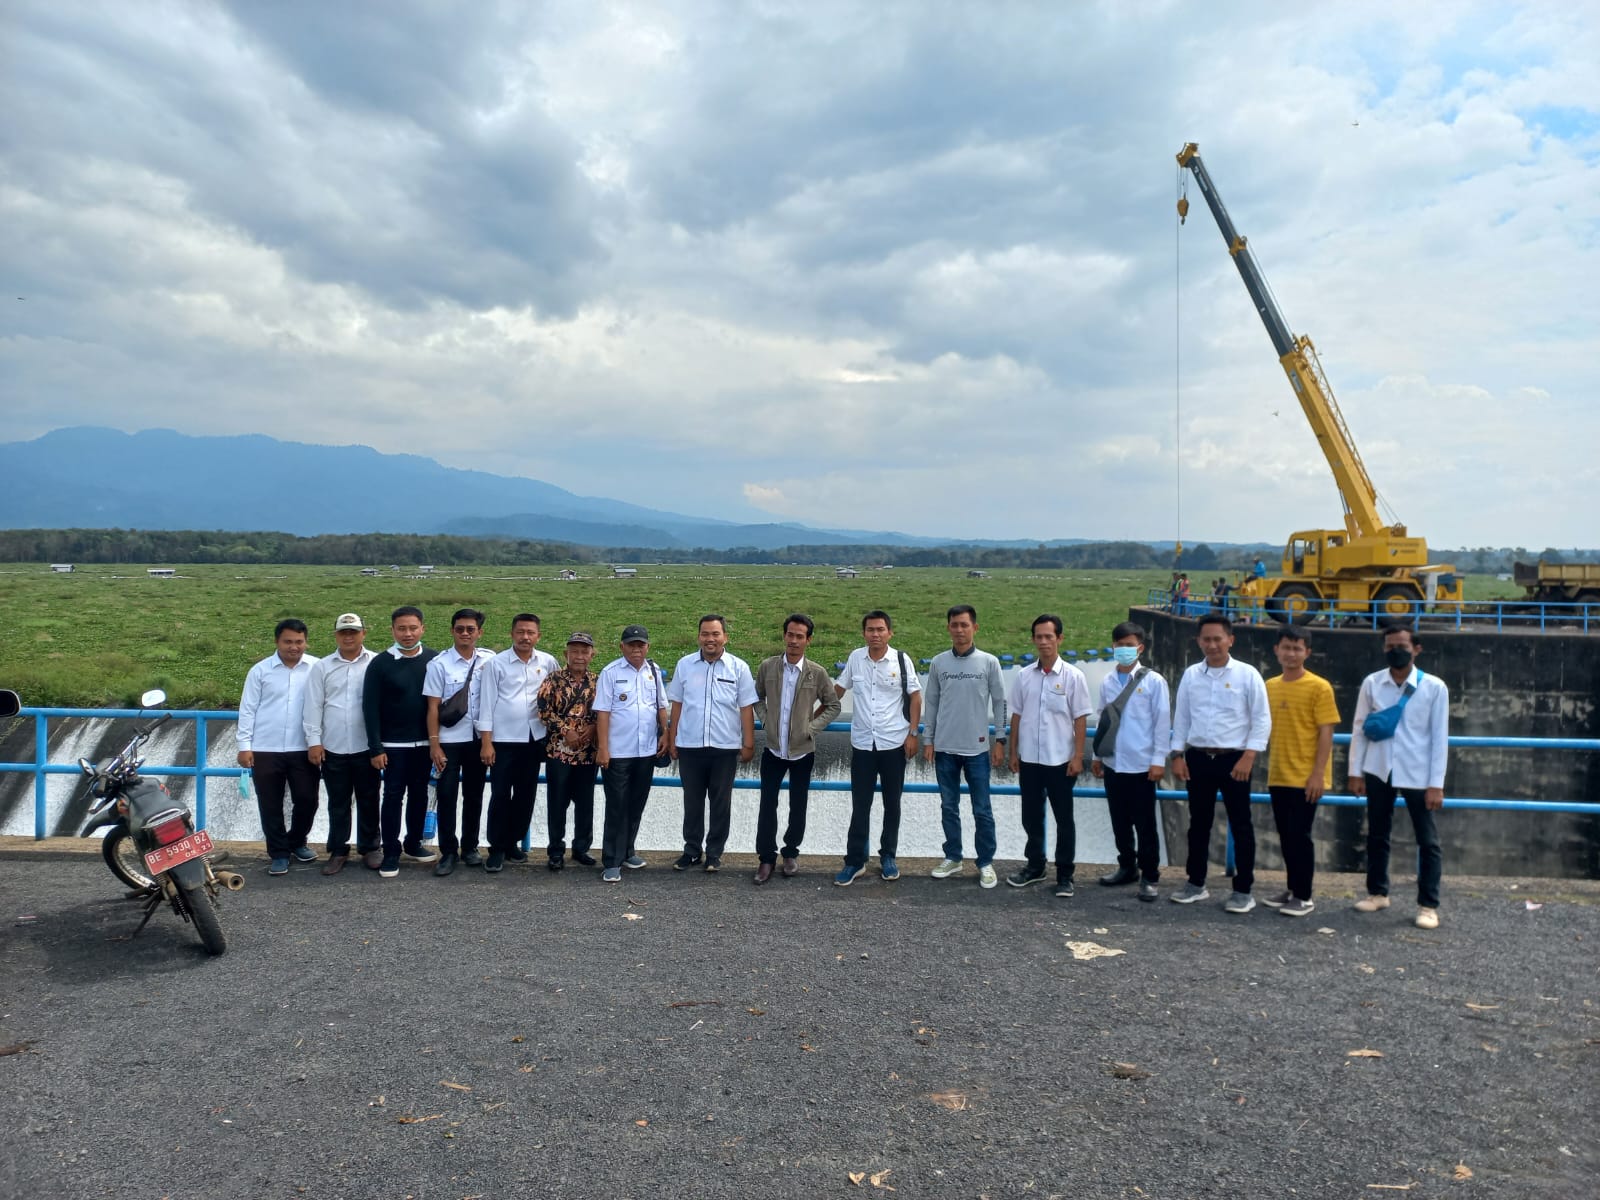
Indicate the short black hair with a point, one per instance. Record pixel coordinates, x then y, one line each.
877 614
1215 618
800 619
470 614
955 610
1294 633
292 624
1128 629
717 617
1410 631
521 617
1042 618
405 610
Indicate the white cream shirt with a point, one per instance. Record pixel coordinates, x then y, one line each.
1047 705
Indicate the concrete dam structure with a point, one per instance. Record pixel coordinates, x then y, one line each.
1502 684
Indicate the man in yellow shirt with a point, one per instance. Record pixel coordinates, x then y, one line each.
1300 763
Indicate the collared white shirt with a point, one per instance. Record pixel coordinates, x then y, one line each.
1222 708
713 693
633 699
1145 731
791 681
332 716
507 695
1047 705
877 718
447 675
272 708
1416 755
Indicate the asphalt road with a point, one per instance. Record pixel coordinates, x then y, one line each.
520 1035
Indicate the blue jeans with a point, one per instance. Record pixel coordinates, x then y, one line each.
947 769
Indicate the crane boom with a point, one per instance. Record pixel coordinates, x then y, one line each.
1298 357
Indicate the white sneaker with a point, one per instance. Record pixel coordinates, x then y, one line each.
1372 904
1427 918
947 868
987 877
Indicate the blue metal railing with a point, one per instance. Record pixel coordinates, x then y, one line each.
41 768
1500 615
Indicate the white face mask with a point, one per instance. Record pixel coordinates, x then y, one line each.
1126 656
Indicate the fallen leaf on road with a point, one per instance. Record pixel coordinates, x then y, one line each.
756 1012
1366 970
1462 1172
1391 1187
1101 931
877 1180
1532 907
518 1038
1489 1048
1122 1070
954 1101
808 1049
1482 1007
642 1123
632 917
456 1087
1363 1053
693 1003
1087 950
15 1048
410 1120
1326 929
525 1068
856 1177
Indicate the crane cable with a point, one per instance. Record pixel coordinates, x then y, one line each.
1177 369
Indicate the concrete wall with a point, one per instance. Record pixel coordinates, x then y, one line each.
1532 684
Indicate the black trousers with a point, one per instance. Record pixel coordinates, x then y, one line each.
773 769
513 790
1294 818
346 776
463 774
1380 820
569 785
1036 782
870 769
1209 775
273 771
627 784
1131 797
706 773
405 785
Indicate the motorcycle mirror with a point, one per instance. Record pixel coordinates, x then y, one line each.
86 766
152 698
10 704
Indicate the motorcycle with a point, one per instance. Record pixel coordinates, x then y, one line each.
152 845
10 704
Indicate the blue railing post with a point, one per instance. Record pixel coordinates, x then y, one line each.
202 760
41 756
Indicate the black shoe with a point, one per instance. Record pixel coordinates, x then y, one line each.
685 861
713 865
1119 877
447 863
584 859
497 862
472 859
1024 877
557 863
516 856
1064 888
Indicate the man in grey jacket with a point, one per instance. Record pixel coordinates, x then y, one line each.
796 701
964 695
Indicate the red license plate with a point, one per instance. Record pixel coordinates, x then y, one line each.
164 858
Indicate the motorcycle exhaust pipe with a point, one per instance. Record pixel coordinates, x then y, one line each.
231 880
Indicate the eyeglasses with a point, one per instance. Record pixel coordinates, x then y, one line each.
464 629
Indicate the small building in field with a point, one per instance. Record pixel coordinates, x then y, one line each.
566 573
977 574
61 568
424 570
624 572
162 572
846 572
369 570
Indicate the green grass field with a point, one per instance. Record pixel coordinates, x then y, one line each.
102 634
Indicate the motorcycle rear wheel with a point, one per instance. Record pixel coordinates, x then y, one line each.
124 859
202 910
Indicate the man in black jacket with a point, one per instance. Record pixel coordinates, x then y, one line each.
397 737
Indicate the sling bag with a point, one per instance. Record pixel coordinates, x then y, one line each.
1105 733
1381 725
453 709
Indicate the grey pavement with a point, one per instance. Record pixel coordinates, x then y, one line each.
519 1035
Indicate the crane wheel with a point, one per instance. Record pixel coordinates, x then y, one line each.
1293 604
1396 600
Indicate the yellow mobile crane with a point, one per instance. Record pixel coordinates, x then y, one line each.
1369 566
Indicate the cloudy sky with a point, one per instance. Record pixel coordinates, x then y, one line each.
910 266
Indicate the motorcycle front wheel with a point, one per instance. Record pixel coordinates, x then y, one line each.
124 859
202 910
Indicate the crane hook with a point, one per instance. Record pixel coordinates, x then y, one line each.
1183 209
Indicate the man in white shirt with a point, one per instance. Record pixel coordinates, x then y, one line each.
885 709
1049 718
630 729
272 744
1135 760
336 739
1221 722
1411 763
711 730
512 737
453 747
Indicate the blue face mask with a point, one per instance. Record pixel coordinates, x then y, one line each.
1126 656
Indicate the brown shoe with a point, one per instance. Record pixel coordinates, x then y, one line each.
372 859
335 864
763 872
1372 904
791 867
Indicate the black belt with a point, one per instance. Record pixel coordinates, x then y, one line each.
1215 751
